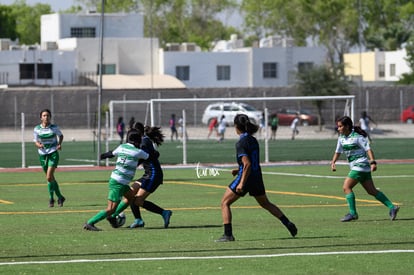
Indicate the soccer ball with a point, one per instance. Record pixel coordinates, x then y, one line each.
121 219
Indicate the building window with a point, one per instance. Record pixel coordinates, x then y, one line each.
44 71
270 70
27 71
381 70
82 32
223 72
392 69
107 69
36 71
304 67
182 73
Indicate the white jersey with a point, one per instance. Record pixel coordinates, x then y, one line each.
126 163
48 136
294 123
355 147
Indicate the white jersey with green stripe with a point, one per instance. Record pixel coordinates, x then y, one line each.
127 162
355 147
48 136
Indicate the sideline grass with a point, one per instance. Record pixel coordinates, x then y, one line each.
209 151
310 195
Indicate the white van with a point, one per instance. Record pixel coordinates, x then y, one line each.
230 110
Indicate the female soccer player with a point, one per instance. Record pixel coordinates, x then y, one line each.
48 139
128 156
248 179
149 182
353 141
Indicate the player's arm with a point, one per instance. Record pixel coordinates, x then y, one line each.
372 161
60 140
334 159
106 155
246 172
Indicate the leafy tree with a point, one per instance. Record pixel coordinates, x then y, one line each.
333 24
388 24
175 21
322 81
27 20
7 23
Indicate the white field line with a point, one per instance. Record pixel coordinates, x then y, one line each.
212 257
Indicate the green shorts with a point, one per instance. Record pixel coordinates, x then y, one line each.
359 176
49 160
116 191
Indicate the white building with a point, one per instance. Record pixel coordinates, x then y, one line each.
69 55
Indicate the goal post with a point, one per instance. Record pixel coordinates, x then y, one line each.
157 105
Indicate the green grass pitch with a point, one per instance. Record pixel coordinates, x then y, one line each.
36 239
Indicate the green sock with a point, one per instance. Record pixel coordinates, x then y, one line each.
57 190
382 198
121 207
51 190
350 199
98 217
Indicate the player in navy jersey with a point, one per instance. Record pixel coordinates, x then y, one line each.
128 155
353 142
150 180
248 179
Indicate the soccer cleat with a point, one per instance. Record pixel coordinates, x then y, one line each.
394 211
91 227
51 203
137 223
349 217
225 238
292 229
166 215
61 201
112 221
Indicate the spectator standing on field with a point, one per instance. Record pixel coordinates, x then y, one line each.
274 123
294 126
48 139
352 141
120 128
173 128
131 123
222 128
248 179
364 124
212 127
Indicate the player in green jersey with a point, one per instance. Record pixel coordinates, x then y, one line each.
48 139
128 155
353 142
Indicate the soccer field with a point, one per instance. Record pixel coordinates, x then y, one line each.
39 240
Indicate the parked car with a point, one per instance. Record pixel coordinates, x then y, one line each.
407 115
230 110
286 117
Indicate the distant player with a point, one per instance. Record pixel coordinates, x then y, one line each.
48 139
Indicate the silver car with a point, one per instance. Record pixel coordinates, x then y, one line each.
230 110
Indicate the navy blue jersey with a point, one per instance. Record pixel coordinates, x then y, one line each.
248 146
153 175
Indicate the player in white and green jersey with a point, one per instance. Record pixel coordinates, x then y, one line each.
128 156
48 139
353 142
